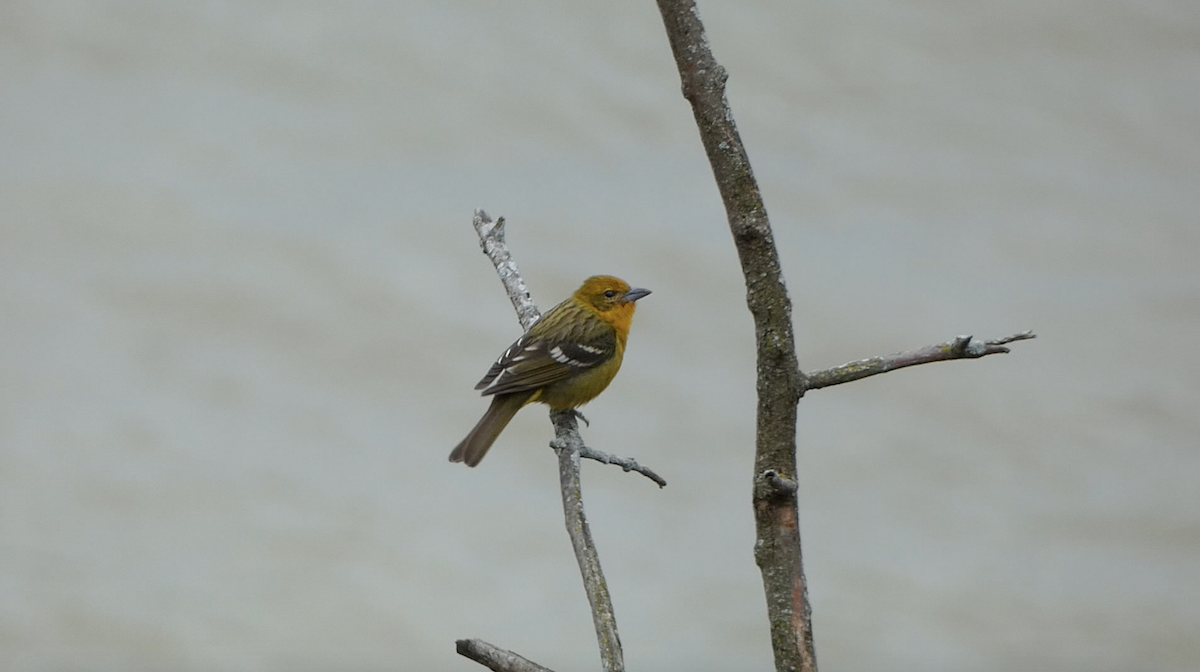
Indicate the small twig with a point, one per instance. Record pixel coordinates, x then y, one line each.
495 658
963 347
626 463
491 239
1023 336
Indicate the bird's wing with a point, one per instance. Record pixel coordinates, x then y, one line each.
533 362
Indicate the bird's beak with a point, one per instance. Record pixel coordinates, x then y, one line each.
635 293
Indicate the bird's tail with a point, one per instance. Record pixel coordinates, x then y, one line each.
504 406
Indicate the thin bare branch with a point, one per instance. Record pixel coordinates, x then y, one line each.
626 463
963 347
568 444
495 658
491 239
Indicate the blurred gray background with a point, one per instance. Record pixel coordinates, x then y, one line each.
243 308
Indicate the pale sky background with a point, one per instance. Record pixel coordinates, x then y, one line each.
243 309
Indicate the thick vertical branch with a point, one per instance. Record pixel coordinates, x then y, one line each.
777 548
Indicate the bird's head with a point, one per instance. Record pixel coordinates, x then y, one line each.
605 293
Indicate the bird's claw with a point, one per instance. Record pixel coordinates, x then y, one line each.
575 413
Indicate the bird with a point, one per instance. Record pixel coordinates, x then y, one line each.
564 360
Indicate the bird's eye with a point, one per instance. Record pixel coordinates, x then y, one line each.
610 293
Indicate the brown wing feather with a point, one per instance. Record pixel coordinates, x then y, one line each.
531 363
559 345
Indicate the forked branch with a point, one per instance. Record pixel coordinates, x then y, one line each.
780 382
